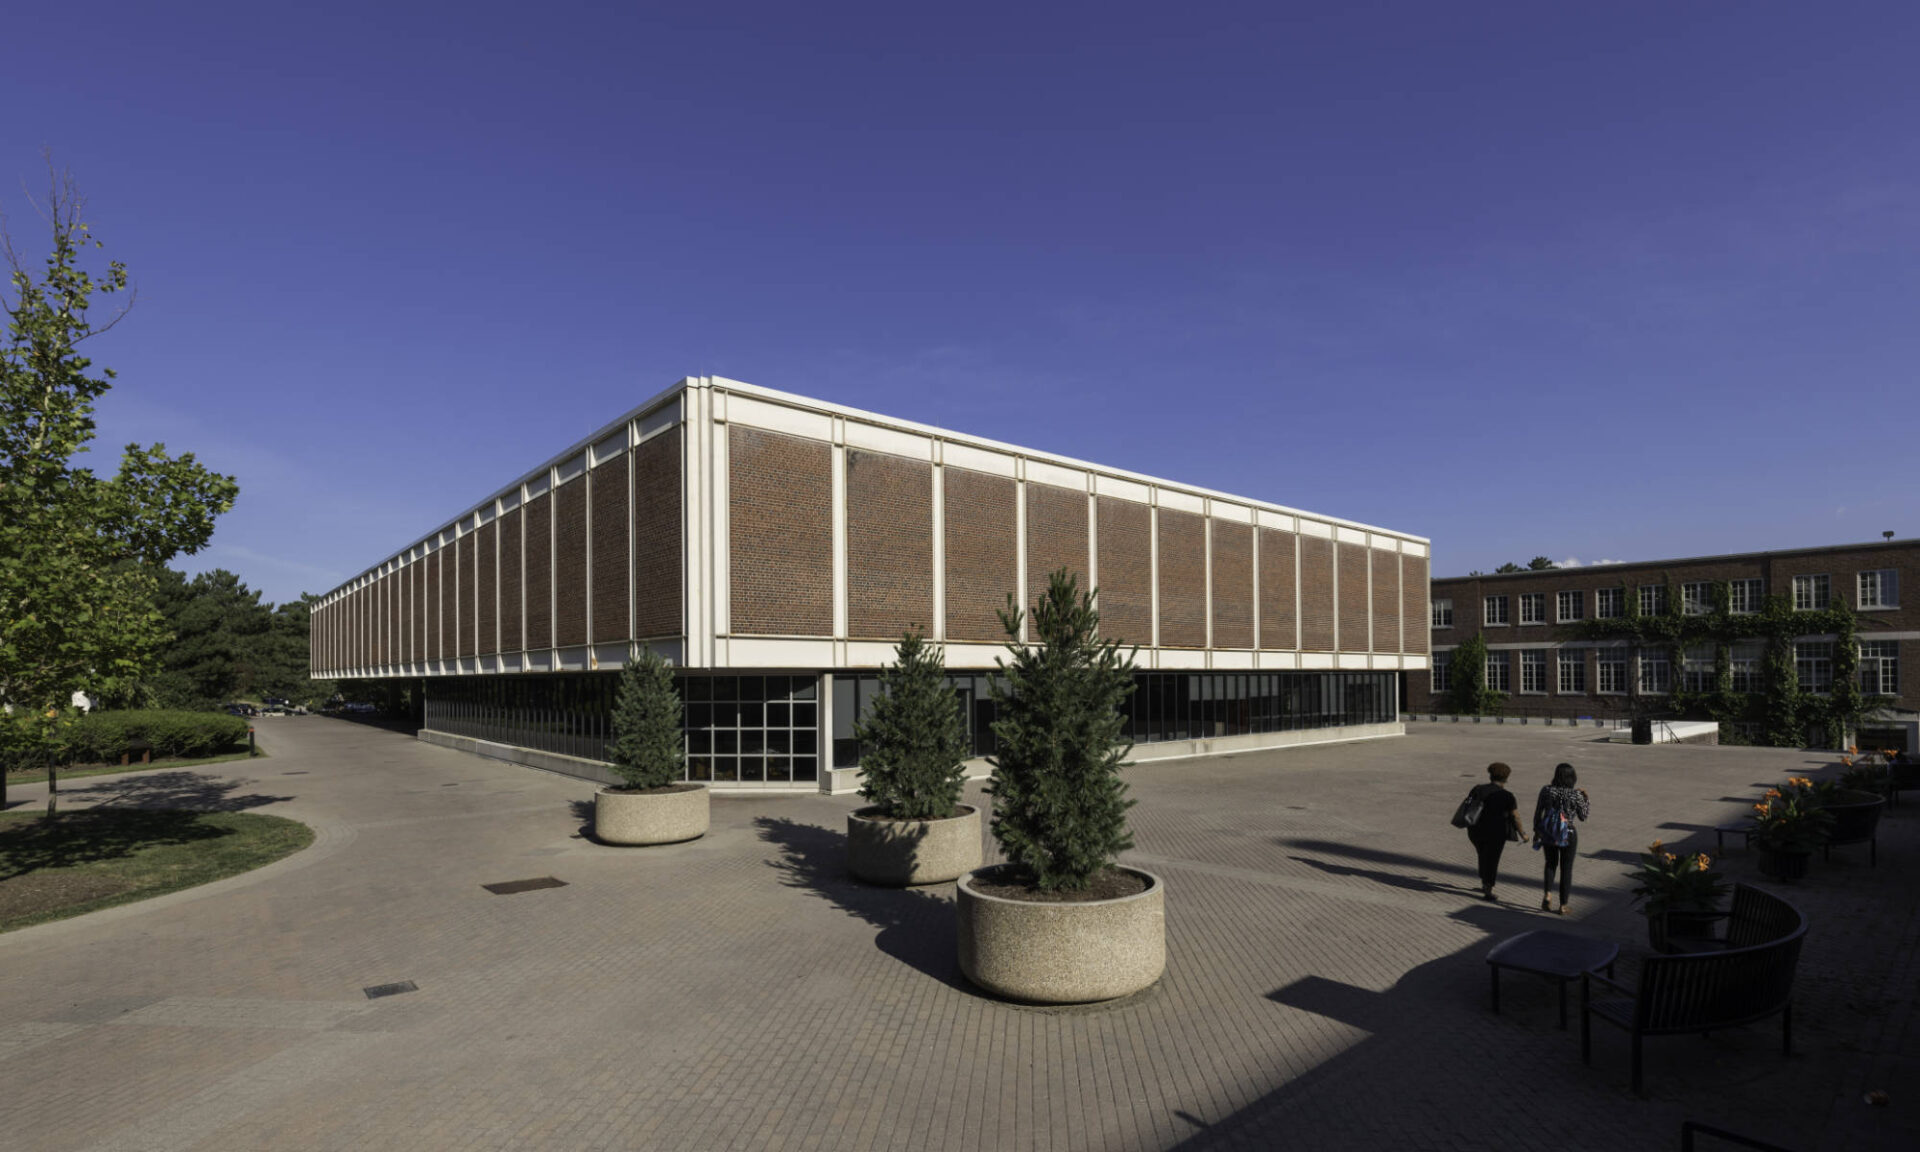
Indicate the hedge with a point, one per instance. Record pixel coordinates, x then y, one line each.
100 737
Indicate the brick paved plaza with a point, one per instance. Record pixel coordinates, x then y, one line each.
1325 985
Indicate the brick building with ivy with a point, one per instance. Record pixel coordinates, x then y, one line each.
1809 647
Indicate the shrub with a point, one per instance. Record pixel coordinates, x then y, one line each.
648 749
101 737
912 740
1059 806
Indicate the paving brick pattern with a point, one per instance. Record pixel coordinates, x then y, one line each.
1325 986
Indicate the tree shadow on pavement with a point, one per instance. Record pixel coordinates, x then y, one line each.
1390 879
194 791
916 924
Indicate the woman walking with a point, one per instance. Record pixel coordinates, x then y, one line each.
1554 813
1499 822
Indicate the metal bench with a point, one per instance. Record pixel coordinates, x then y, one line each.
1749 980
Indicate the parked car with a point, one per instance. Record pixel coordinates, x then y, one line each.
242 710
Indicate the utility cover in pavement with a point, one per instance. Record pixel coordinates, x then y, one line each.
509 887
379 990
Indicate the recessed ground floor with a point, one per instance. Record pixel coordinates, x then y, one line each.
794 731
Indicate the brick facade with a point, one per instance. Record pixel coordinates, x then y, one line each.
570 563
657 563
889 545
1125 537
1182 539
435 562
1056 537
780 534
512 620
1316 594
487 588
980 545
539 561
1386 600
1232 584
1413 603
609 490
465 600
1278 622
1776 570
1353 599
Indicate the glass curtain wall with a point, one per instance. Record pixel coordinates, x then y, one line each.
739 729
1168 705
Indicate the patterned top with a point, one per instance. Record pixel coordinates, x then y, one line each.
1568 800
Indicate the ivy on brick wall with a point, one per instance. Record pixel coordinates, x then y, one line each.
1781 711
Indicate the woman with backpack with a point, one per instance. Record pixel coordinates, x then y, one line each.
1498 822
1559 805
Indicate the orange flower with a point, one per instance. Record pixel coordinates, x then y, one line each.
1846 761
1773 793
1760 808
1854 748
1668 856
1654 847
1705 861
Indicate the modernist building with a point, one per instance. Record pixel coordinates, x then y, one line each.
1532 622
776 547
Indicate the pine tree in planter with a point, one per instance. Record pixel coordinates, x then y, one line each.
1061 924
912 744
655 806
1059 805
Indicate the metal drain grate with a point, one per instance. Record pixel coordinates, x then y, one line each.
509 887
301 772
379 990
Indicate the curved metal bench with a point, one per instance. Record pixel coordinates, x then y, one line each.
1750 980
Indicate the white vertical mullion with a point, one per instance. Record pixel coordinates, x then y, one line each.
938 627
1299 627
1206 575
838 473
719 497
1093 540
1255 543
1335 546
1153 567
1020 597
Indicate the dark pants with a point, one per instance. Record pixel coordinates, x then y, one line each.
1489 850
1560 859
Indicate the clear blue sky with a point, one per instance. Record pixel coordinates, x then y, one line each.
1593 281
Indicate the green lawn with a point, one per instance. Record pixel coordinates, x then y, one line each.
38 776
81 861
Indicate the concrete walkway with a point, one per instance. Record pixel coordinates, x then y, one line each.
1325 987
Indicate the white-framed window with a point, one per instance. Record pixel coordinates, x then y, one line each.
1573 672
1696 598
1533 671
1572 605
1499 676
1813 663
1609 603
1810 593
1880 589
1442 613
1441 679
1880 667
1656 673
1495 612
1653 599
1746 660
1533 607
1744 596
1610 669
1696 668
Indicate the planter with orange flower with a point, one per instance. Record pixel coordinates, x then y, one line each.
1680 897
1789 823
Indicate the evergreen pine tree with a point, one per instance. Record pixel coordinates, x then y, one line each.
912 740
648 748
1059 806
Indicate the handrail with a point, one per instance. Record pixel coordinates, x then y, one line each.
1689 1127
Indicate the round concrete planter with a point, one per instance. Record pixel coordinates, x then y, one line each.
900 853
667 816
1062 953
